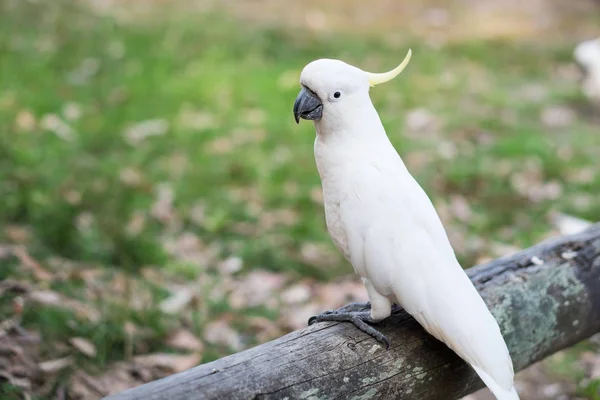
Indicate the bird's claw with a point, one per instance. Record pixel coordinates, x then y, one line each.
357 318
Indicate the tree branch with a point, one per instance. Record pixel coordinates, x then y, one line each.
545 298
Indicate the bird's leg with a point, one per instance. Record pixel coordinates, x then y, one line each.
356 306
348 308
359 314
356 313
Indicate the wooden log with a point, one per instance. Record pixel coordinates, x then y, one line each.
545 298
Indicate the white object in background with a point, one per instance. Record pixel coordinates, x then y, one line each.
587 55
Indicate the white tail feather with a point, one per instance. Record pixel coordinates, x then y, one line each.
501 394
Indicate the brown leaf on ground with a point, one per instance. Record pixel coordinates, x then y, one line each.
296 294
172 362
84 346
184 340
297 317
45 297
162 209
118 377
460 207
316 195
53 366
221 332
281 217
264 329
336 294
181 297
231 265
557 117
421 121
50 298
301 305
319 254
29 263
25 121
256 288
19 382
137 133
14 287
190 248
17 234
591 363
190 118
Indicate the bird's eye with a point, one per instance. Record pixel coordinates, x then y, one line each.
337 95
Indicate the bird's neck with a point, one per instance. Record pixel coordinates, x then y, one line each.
361 125
342 146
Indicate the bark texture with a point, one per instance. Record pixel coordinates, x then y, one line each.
545 298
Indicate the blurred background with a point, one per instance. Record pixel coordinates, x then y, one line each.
159 207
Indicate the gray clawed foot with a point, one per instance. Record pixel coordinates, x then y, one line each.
348 308
357 318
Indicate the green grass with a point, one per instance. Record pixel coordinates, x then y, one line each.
214 69
222 92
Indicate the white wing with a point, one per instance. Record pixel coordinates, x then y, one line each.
397 241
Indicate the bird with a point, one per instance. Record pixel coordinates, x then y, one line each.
587 56
385 225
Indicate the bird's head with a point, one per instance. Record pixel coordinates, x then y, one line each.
332 88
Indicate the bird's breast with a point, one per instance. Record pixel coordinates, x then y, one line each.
335 226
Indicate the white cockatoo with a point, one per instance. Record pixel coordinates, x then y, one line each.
385 225
587 55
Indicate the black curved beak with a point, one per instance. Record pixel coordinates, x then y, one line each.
307 106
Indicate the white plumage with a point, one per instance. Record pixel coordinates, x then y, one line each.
385 225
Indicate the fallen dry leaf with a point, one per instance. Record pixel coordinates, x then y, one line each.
281 217
319 254
14 287
336 294
117 378
557 116
316 195
53 366
178 301
50 298
184 340
55 124
297 317
162 209
46 297
29 263
189 118
420 120
17 234
296 294
591 362
220 332
190 248
460 208
84 346
264 329
255 288
143 130
198 214
25 121
131 176
173 362
231 265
